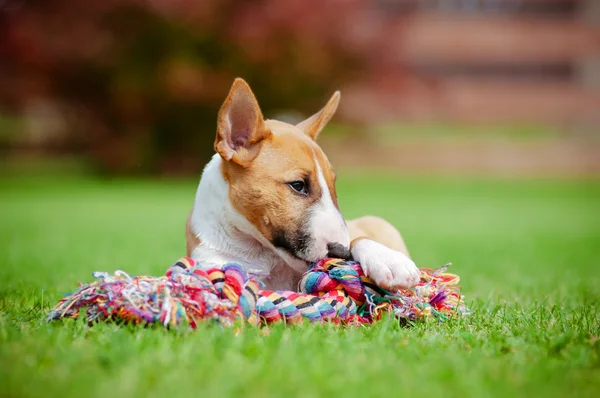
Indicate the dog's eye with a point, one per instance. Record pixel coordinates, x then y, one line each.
299 186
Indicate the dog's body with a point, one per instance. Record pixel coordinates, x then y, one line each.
267 201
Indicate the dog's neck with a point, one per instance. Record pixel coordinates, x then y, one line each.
226 236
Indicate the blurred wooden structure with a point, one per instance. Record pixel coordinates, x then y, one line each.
483 61
135 86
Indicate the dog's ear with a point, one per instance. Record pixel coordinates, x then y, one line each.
314 124
240 126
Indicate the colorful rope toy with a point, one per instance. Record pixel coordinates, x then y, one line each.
332 290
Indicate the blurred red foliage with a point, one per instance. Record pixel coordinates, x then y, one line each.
139 83
136 85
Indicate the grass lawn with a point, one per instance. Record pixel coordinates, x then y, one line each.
527 253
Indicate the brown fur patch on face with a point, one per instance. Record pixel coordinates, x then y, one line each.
261 192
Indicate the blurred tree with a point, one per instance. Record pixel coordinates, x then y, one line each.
139 83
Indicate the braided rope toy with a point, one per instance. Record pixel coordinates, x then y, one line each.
333 290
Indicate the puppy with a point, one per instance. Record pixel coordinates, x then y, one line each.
267 201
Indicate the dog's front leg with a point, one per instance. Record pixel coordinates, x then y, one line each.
381 251
390 269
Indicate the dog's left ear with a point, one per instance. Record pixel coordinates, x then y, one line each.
314 124
240 126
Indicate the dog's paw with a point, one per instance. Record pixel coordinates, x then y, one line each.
390 269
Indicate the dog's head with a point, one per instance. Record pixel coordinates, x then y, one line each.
279 178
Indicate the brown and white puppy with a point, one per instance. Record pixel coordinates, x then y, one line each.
267 201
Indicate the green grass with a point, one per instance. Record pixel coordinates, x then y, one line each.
527 253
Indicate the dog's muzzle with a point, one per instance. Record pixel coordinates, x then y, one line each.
336 250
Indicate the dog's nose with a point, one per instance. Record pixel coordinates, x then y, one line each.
336 250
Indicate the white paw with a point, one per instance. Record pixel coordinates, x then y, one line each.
388 268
